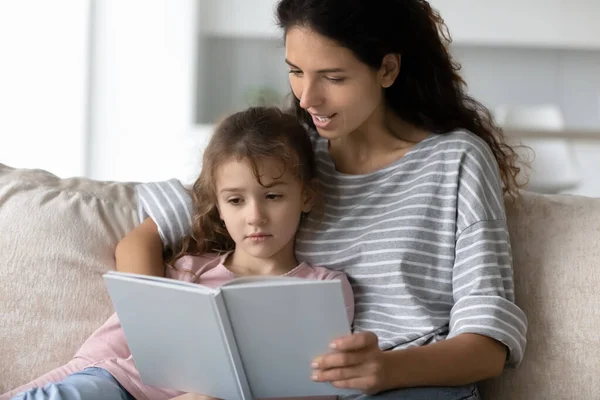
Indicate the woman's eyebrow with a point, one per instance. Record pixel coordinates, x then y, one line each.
288 62
321 71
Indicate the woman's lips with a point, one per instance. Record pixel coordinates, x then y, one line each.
322 122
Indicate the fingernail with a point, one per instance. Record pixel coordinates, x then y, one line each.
314 365
333 345
314 377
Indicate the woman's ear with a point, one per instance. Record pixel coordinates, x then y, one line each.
390 68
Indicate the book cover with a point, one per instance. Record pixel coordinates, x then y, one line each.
251 338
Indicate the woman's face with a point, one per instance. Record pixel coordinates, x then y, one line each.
340 92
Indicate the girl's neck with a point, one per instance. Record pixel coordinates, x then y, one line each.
241 263
380 141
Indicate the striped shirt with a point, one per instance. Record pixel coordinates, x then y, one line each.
423 241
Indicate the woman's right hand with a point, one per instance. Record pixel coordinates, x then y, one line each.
141 251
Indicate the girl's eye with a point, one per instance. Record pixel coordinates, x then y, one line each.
273 196
295 72
335 80
234 201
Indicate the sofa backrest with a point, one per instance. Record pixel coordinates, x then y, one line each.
556 255
57 238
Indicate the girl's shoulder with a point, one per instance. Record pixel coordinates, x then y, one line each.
189 268
309 271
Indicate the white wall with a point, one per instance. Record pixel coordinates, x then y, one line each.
43 84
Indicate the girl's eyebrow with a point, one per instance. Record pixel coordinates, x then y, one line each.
235 189
321 71
230 190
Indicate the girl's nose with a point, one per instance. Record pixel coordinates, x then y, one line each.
256 215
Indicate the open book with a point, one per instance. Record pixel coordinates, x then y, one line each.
251 338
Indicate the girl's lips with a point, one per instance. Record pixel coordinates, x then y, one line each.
322 124
258 238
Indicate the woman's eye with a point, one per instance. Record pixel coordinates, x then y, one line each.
334 79
273 196
234 201
295 72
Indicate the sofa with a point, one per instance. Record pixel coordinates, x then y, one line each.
58 236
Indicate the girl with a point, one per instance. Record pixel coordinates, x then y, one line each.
413 172
257 182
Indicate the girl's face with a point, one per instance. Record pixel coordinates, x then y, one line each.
262 220
340 92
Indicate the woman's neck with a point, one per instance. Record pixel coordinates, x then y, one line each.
380 141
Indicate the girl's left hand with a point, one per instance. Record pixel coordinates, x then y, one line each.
356 362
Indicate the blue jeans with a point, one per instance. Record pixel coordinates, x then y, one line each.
468 392
90 384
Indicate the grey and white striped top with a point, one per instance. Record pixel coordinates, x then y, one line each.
424 242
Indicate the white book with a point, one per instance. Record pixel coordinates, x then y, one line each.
251 338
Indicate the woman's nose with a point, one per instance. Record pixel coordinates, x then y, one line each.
310 97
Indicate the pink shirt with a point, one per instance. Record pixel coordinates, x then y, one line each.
107 347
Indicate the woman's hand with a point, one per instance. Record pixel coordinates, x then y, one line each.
356 362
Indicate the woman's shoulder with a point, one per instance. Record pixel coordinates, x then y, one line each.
459 148
462 140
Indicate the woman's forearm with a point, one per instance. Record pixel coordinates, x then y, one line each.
462 360
141 251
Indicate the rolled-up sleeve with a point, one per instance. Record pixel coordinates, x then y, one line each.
483 290
169 205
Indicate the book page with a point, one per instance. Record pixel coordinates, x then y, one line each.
175 335
280 328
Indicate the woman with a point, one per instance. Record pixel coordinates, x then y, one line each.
413 171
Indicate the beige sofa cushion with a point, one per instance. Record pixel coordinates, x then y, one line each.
556 246
57 237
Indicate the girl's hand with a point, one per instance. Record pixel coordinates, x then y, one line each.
356 362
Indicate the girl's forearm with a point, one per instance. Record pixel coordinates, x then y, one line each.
141 251
462 360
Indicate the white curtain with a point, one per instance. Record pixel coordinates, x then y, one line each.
44 48
100 88
144 85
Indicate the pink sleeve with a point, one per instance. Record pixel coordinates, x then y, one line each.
108 341
190 268
348 295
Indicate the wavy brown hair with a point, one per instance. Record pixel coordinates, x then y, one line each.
253 135
429 91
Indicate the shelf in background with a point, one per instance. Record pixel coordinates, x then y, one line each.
568 134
